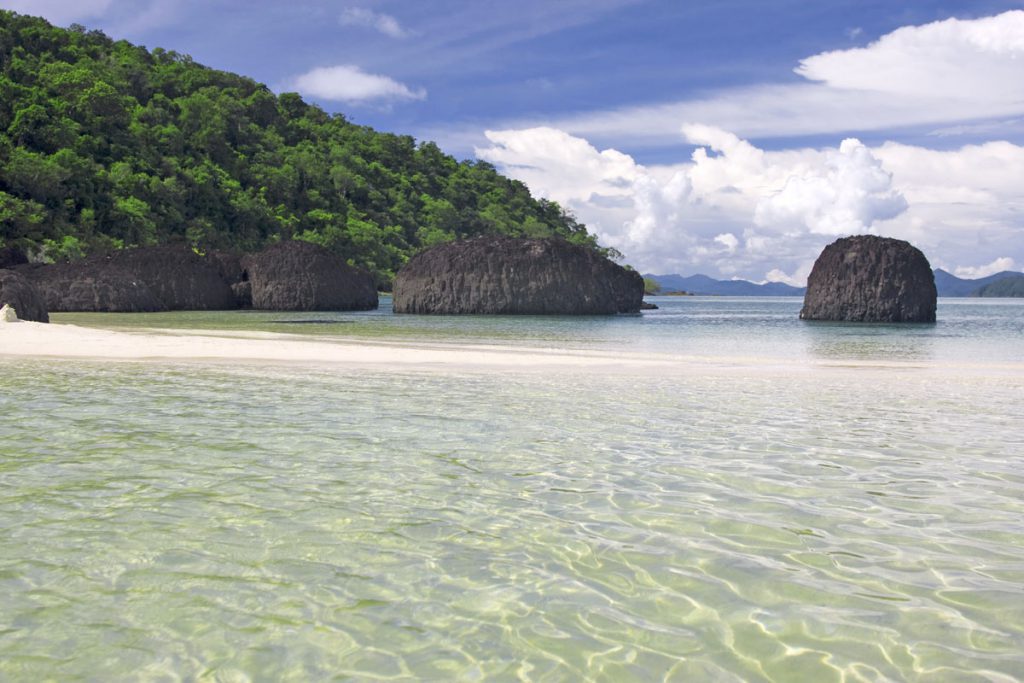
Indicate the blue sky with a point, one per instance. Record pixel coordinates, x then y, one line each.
735 138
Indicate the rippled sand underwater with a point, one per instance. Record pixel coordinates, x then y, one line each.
203 522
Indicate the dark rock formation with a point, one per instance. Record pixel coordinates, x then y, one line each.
93 285
231 266
26 300
180 278
870 279
299 276
12 256
515 276
134 280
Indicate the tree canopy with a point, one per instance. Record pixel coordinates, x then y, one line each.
106 145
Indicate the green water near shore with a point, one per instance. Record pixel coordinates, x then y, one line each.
737 519
192 522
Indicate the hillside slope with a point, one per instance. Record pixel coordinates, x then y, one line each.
948 284
704 285
1011 286
104 144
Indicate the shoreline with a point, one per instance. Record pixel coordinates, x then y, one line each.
58 341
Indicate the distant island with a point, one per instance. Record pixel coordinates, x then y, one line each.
1012 286
1000 284
1005 284
702 285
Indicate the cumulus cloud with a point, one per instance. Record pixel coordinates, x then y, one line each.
846 194
997 266
966 204
59 12
729 241
560 166
797 279
384 23
734 209
347 83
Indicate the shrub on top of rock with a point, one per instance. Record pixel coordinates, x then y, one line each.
870 279
501 275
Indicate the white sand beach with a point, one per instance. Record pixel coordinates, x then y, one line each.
39 340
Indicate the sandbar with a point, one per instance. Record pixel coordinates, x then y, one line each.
70 342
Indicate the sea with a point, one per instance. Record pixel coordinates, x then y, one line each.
779 501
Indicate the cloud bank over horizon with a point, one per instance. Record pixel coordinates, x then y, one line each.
735 210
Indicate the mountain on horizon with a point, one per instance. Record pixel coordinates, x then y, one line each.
951 285
947 284
707 286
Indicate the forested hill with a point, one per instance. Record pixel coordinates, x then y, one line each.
104 145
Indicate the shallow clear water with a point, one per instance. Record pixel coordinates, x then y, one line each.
163 522
986 330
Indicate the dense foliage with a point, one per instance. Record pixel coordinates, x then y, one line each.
104 145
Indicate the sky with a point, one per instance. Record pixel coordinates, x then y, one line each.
735 138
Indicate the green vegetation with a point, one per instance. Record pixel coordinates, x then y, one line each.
105 145
1012 286
651 286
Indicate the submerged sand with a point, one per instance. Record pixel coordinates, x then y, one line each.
62 341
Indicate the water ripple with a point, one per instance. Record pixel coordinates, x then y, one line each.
188 522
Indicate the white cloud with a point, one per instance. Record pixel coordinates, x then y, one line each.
966 204
846 194
559 166
939 74
384 23
347 83
59 12
736 210
977 60
729 241
997 266
797 279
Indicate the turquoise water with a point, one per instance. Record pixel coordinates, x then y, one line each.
849 522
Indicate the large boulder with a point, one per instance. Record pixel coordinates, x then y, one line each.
501 275
93 285
870 279
299 276
180 278
19 293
